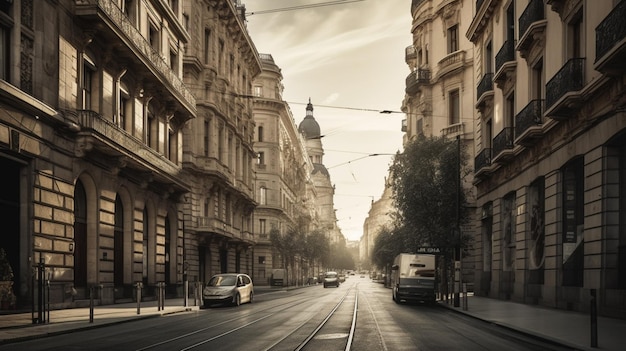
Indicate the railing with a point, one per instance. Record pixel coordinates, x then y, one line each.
453 129
485 85
532 13
503 141
506 54
410 53
452 58
529 116
91 120
568 78
611 30
482 160
419 76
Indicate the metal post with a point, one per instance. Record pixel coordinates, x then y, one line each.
138 286
91 304
41 318
457 239
162 296
186 292
465 297
593 308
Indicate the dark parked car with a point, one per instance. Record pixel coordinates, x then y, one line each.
228 288
331 279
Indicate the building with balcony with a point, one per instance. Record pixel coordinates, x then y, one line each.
284 187
550 169
443 105
220 64
92 112
377 218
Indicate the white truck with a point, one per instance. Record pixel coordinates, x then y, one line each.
413 278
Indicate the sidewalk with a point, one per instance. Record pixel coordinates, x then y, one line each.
571 329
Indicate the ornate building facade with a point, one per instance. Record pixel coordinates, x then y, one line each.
284 189
92 111
550 169
220 65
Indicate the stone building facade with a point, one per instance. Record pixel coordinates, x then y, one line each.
92 111
550 166
220 64
284 188
439 90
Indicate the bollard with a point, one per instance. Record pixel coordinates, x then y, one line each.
464 296
186 288
593 309
91 304
138 286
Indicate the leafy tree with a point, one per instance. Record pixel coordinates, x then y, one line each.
340 257
427 193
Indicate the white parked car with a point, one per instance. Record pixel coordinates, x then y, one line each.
228 288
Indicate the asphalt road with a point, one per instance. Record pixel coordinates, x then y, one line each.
284 320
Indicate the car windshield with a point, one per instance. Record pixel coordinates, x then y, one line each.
220 280
331 275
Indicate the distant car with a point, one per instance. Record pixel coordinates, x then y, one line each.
228 288
331 279
342 278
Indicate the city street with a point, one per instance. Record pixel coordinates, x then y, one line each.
311 318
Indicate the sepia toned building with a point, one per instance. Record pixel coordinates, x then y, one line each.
220 64
439 93
92 112
550 166
284 188
377 218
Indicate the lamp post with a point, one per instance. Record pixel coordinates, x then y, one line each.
457 231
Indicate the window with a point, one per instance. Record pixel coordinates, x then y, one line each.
258 91
262 226
207 133
207 45
575 36
488 58
509 209
174 61
573 222
536 217
454 107
125 108
89 71
261 260
537 81
510 22
261 158
487 236
220 56
260 133
5 45
509 110
263 196
153 37
453 39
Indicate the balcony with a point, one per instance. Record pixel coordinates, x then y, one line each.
563 95
532 25
611 42
410 56
505 63
214 226
482 163
416 79
111 145
453 130
503 145
129 45
451 63
528 123
484 90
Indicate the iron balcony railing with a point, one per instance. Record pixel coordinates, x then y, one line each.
569 78
529 116
485 85
503 141
611 30
483 160
532 13
415 78
506 54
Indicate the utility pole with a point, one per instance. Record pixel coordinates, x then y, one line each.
457 232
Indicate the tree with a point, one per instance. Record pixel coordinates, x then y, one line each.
430 203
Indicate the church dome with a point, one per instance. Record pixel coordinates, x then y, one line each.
309 126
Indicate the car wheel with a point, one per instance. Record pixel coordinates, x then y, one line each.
251 297
237 300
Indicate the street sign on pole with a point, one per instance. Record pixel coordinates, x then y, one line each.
429 250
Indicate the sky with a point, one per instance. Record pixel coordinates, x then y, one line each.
348 59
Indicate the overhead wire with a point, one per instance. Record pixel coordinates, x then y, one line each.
301 7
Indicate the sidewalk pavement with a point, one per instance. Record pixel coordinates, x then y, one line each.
571 329
568 328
